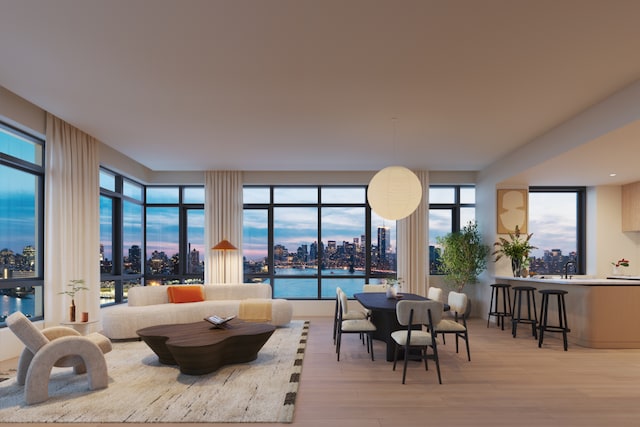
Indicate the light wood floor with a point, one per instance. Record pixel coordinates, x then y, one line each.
508 382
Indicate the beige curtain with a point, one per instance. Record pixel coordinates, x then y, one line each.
413 243
223 219
72 220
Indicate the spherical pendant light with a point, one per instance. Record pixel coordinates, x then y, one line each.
394 192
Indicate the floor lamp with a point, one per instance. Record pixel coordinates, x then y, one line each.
224 245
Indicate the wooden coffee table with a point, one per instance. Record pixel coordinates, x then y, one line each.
199 348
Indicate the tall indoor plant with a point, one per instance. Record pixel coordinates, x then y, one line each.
463 256
517 249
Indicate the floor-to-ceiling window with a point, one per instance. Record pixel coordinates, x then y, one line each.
121 236
21 223
174 234
307 240
451 207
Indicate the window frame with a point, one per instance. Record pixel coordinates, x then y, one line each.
581 219
38 171
271 205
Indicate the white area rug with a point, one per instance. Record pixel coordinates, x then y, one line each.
143 390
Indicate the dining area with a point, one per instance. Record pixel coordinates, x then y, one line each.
410 326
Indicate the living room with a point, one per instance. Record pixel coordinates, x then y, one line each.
482 97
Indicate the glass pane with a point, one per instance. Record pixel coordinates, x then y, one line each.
26 299
295 288
349 286
383 246
107 291
132 189
256 195
193 195
163 195
106 234
107 180
19 147
440 224
255 241
295 234
467 195
342 234
162 241
295 195
132 235
442 195
18 224
553 220
467 215
350 195
195 241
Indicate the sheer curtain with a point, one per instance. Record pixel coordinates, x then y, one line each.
72 220
413 243
223 219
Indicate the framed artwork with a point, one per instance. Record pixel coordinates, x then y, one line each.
513 208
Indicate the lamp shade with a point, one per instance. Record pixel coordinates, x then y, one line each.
394 192
224 245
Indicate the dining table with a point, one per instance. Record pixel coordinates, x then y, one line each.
383 314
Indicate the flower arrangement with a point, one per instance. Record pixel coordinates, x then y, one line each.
517 249
621 263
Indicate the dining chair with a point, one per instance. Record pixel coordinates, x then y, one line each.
374 288
435 294
458 325
348 315
417 314
352 326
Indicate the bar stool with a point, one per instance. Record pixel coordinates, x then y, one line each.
562 315
506 303
517 312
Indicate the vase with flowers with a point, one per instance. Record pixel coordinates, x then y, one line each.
73 288
619 266
516 248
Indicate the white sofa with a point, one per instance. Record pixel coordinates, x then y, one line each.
150 306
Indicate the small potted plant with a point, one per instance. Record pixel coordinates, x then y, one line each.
618 266
516 248
73 288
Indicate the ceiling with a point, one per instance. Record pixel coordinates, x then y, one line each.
326 85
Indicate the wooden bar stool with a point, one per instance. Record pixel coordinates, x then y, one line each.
506 303
517 309
562 316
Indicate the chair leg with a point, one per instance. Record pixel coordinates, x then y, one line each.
466 339
435 357
338 340
406 361
395 356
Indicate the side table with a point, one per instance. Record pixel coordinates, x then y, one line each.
82 327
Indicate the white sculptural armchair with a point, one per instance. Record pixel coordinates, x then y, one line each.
56 346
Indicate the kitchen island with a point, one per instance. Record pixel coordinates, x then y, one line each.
601 313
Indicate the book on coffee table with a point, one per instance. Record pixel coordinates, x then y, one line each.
217 320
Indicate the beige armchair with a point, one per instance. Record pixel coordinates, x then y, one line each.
56 346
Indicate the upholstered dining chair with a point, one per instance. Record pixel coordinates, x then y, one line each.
352 326
435 294
458 326
56 346
348 315
412 314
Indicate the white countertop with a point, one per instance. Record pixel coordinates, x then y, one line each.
577 280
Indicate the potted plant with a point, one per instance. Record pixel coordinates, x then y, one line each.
74 287
463 256
516 248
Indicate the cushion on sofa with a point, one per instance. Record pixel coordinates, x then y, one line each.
185 293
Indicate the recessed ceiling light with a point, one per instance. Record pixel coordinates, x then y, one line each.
612 174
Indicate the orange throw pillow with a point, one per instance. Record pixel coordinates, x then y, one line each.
185 293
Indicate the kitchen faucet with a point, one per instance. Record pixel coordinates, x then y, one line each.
566 268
